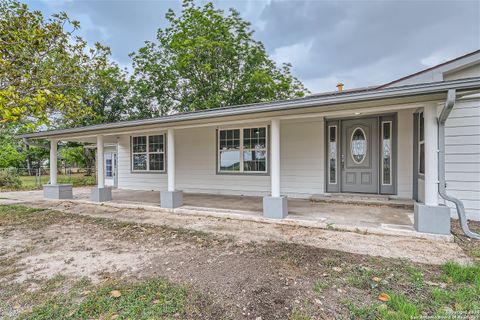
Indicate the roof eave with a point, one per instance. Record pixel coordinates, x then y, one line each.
388 93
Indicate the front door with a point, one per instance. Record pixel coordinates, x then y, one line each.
359 155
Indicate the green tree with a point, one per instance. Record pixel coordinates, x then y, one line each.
107 95
205 59
44 67
73 155
9 155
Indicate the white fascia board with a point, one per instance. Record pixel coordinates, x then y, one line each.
316 101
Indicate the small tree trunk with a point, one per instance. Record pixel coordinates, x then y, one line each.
30 170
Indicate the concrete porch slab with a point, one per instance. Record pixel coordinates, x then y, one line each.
365 219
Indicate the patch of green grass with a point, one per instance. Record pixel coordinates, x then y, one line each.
77 179
462 274
299 315
151 299
461 293
32 182
15 215
464 298
361 277
320 286
18 215
415 277
368 312
401 306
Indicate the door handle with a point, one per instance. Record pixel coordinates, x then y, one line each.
343 161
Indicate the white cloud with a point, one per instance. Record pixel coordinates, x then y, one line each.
295 54
359 43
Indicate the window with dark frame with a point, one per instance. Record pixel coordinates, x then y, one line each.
148 153
109 166
421 144
255 149
332 154
242 150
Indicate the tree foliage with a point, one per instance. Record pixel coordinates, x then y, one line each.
44 67
107 96
206 59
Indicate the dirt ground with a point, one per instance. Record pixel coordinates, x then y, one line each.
247 270
403 247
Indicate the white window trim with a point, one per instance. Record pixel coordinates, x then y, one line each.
336 154
420 142
391 145
148 153
241 149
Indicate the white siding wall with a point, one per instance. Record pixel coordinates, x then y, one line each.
136 181
470 72
302 162
303 158
302 172
405 154
462 155
196 167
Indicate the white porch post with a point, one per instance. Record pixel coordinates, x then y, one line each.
275 156
431 154
171 159
53 190
101 193
53 161
275 206
171 198
100 161
430 217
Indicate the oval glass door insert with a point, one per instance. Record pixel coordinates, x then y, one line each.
358 145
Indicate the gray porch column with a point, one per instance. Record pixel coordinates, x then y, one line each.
431 217
171 198
275 206
101 193
53 190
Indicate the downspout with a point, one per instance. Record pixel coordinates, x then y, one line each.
449 104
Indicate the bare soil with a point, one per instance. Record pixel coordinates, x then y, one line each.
243 231
239 277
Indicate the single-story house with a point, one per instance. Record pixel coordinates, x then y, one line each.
398 139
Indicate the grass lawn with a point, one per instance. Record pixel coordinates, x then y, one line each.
151 299
77 179
194 275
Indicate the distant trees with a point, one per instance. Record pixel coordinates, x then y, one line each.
51 78
205 59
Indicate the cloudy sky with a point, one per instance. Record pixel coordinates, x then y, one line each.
358 43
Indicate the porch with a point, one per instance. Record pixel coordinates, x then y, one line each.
364 215
378 216
387 150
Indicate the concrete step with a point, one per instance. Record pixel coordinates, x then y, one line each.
364 199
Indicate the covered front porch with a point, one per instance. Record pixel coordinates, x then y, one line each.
253 161
375 215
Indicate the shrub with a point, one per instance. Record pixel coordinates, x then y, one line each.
9 179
